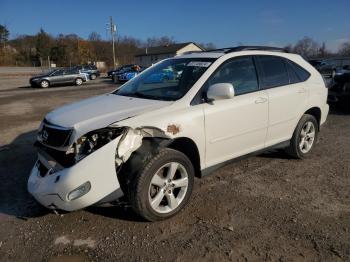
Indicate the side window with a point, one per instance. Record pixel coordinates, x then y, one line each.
240 72
272 71
302 74
58 73
293 77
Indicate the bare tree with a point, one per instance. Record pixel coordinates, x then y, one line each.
208 46
307 47
94 36
345 49
159 41
288 48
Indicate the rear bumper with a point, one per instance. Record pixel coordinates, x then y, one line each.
52 189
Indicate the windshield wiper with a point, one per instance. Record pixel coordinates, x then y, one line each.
143 95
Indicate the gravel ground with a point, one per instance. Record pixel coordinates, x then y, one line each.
263 208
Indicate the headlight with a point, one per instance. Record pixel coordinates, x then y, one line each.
94 140
79 191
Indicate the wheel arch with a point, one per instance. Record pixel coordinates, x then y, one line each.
316 112
189 148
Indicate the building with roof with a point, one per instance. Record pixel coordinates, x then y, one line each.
151 55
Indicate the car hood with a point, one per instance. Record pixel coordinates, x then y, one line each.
101 111
40 76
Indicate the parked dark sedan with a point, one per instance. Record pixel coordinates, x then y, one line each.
114 71
122 71
328 67
91 70
340 89
59 77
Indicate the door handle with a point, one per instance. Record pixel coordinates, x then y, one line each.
260 100
302 90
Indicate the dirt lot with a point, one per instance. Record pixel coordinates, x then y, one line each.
267 207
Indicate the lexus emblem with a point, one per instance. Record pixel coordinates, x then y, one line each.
44 135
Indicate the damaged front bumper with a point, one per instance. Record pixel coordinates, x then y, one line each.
87 182
91 180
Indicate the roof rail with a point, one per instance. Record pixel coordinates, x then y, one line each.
247 48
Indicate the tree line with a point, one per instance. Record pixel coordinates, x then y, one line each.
69 49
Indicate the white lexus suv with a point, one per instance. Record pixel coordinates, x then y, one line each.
183 117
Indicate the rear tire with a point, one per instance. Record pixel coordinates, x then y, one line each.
44 84
93 76
163 187
304 137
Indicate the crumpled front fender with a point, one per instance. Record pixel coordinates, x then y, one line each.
98 168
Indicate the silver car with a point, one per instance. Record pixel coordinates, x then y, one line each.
59 77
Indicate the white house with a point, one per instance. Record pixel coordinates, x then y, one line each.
148 56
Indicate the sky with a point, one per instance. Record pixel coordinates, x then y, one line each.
222 22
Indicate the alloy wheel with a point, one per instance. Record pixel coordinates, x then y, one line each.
307 137
78 81
44 84
168 187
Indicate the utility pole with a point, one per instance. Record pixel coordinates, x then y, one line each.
113 29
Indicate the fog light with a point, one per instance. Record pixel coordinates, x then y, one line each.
79 191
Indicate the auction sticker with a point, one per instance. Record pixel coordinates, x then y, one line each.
198 63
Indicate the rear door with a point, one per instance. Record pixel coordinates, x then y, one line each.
69 75
286 93
236 126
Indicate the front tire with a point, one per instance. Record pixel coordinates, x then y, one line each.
78 81
93 76
44 84
163 187
304 137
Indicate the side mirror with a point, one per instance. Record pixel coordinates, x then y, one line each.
220 91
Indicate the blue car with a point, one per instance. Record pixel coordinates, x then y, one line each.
127 76
165 75
129 73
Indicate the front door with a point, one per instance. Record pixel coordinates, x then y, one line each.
236 126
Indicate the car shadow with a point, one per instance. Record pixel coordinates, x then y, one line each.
28 87
16 162
275 153
120 211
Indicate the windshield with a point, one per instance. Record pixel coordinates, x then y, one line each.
168 81
56 72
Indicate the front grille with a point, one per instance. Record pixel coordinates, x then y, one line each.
53 135
42 169
65 160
